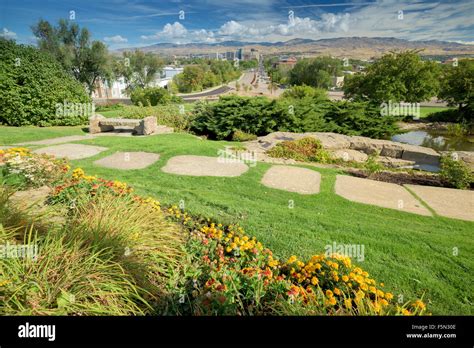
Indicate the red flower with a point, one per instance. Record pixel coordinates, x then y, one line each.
221 287
221 299
210 282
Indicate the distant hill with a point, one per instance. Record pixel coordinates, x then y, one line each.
351 47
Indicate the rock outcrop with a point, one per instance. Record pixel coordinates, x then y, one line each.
358 148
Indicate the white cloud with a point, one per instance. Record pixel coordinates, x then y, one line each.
178 33
421 21
7 34
175 30
115 39
296 27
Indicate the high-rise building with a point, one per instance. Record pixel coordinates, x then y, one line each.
230 55
239 54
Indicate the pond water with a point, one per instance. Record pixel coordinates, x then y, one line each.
436 140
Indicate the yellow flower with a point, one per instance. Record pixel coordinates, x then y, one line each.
329 293
364 287
78 173
337 291
292 259
314 281
388 296
360 294
345 278
332 301
348 303
419 304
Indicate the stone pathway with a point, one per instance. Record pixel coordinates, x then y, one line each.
128 160
457 204
71 151
292 179
60 140
203 166
452 203
378 193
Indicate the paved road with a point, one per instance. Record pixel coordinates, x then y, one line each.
214 92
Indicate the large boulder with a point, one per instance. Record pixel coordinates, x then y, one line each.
357 148
348 155
420 155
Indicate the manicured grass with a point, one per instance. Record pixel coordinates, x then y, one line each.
426 110
13 135
411 254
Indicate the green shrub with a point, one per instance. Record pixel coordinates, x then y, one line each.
371 166
109 107
35 89
260 116
455 172
300 92
449 115
242 136
152 96
168 115
457 130
306 150
231 113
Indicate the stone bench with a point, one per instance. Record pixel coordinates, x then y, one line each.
99 124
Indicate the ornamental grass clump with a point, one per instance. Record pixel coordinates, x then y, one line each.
306 149
58 276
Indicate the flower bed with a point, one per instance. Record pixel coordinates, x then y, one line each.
32 170
231 273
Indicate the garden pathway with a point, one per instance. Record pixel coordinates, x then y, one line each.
71 151
458 204
382 194
203 166
128 160
292 179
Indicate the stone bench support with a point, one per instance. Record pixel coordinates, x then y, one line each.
99 124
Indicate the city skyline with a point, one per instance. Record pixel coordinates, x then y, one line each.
122 24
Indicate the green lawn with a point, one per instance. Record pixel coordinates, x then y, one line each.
13 135
411 254
426 110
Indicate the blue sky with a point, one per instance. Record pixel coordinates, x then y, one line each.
122 23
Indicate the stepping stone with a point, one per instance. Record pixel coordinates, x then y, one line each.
382 194
128 160
457 204
292 179
60 140
203 166
71 151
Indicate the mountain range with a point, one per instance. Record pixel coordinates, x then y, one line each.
351 47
